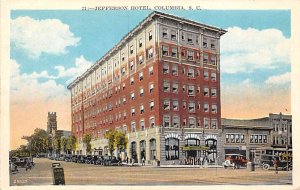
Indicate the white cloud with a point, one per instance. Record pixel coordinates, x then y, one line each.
247 50
81 65
41 36
27 88
279 79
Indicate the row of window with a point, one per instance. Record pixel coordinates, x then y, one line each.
190 38
191 106
190 122
240 138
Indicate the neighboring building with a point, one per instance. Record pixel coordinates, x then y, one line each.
244 136
160 85
282 130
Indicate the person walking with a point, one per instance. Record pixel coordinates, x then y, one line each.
143 161
276 165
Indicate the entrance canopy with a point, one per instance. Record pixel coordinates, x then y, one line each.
186 148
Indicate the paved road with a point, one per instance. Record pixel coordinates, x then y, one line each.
81 174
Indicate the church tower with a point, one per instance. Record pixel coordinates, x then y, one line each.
51 123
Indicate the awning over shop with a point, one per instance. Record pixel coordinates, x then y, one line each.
186 148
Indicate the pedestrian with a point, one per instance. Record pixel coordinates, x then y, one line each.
143 161
127 159
27 166
276 165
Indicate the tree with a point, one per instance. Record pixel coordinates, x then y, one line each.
57 145
87 141
38 142
120 141
110 136
72 143
63 144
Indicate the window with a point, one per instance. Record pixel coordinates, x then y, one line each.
213 123
214 108
206 107
183 104
175 121
173 35
172 149
206 123
142 109
132 111
151 88
132 80
165 33
191 107
141 60
123 57
131 49
197 39
213 76
191 73
205 58
124 85
183 87
212 44
213 60
192 122
190 38
198 106
150 35
174 52
141 77
140 42
199 122
124 100
123 71
165 50
151 105
141 91
133 126
198 89
166 104
131 65
132 95
213 92
175 87
152 122
166 121
227 138
174 69
242 138
166 68
190 55
204 42
205 74
150 53
151 70
166 86
191 90
175 105
184 122
142 125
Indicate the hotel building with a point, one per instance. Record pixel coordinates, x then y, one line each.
161 86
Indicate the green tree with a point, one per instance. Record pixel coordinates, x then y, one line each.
72 143
63 144
38 142
120 141
110 136
87 141
57 145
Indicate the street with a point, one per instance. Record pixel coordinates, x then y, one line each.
88 174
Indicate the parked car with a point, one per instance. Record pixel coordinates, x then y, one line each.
267 162
111 161
95 158
23 162
74 158
68 158
88 159
100 160
235 161
81 159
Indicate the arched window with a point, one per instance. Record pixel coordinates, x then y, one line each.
152 149
172 149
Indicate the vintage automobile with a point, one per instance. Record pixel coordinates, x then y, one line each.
235 161
23 162
89 159
267 162
100 160
68 158
111 161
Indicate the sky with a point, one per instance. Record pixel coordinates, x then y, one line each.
51 48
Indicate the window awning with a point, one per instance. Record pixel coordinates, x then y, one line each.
186 148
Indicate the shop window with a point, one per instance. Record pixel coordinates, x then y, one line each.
172 149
